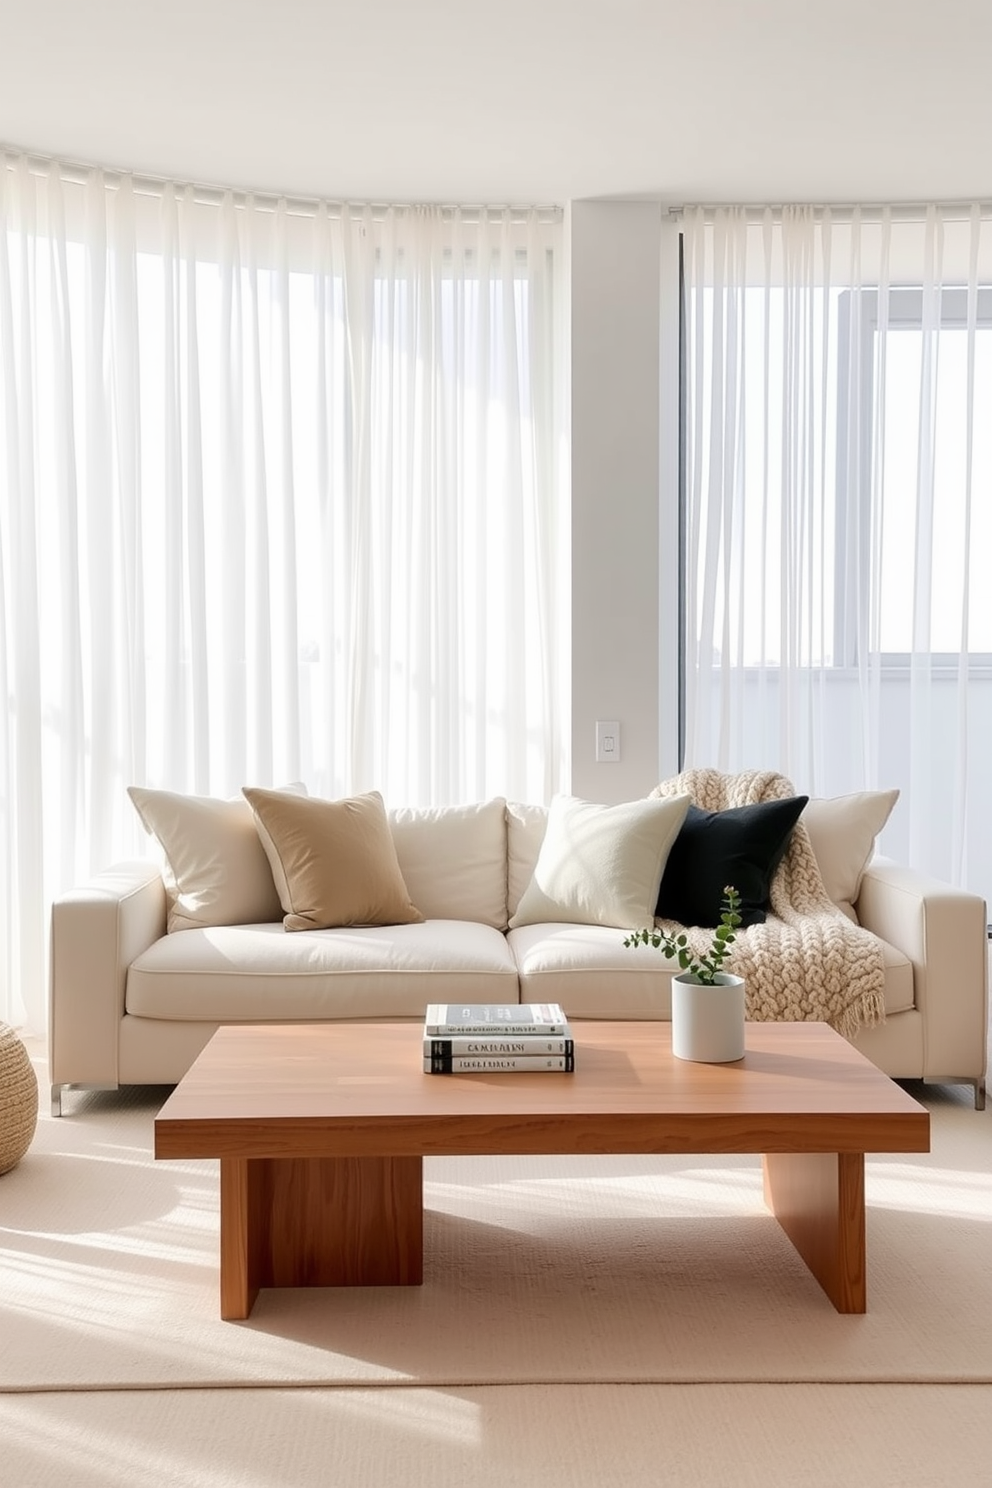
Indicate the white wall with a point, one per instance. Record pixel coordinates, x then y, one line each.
624 473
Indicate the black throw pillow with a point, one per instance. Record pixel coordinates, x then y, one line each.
742 846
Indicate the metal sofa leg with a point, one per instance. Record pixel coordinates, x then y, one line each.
76 1085
977 1084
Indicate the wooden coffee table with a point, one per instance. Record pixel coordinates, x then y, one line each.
322 1130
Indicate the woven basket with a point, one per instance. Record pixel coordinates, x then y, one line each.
18 1099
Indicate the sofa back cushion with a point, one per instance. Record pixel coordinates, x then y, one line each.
453 860
525 829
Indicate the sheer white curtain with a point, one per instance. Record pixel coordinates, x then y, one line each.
838 511
283 497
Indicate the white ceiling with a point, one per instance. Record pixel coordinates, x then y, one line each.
513 100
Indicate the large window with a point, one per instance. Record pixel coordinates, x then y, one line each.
838 511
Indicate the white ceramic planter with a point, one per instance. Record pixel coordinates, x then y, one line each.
708 1022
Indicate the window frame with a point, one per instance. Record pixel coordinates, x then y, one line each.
858 315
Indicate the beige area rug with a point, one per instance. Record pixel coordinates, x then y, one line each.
614 1270
538 1436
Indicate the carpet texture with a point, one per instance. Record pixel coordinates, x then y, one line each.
538 1436
614 1270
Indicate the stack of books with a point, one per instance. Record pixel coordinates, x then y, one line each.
519 1037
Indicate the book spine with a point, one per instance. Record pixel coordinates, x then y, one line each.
455 1064
529 1045
498 1020
502 1030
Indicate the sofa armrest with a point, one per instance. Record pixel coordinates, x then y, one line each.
943 931
97 930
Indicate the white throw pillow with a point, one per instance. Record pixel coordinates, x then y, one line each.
601 865
215 869
842 832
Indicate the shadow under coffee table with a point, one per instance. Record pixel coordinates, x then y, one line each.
321 1131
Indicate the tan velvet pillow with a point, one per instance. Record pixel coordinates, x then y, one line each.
333 862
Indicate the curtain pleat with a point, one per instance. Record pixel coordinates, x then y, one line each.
128 478
283 527
283 498
174 728
99 623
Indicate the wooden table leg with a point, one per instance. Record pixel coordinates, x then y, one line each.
318 1222
238 1226
819 1200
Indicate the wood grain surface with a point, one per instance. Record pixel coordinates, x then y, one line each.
318 1222
322 1129
359 1090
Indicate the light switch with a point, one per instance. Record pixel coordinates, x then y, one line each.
607 742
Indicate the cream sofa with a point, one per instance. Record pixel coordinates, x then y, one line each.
133 1004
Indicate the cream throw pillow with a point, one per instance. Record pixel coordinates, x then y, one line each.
601 865
453 860
842 832
334 862
214 868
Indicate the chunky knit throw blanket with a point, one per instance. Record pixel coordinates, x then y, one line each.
808 962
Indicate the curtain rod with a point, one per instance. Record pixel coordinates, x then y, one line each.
146 184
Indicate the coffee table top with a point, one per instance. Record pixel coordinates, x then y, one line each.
358 1089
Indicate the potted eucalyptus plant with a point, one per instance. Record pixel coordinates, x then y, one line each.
707 1002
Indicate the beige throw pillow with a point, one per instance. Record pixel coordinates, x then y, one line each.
333 862
214 868
601 865
842 832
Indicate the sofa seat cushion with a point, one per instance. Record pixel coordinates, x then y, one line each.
589 971
898 991
259 973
